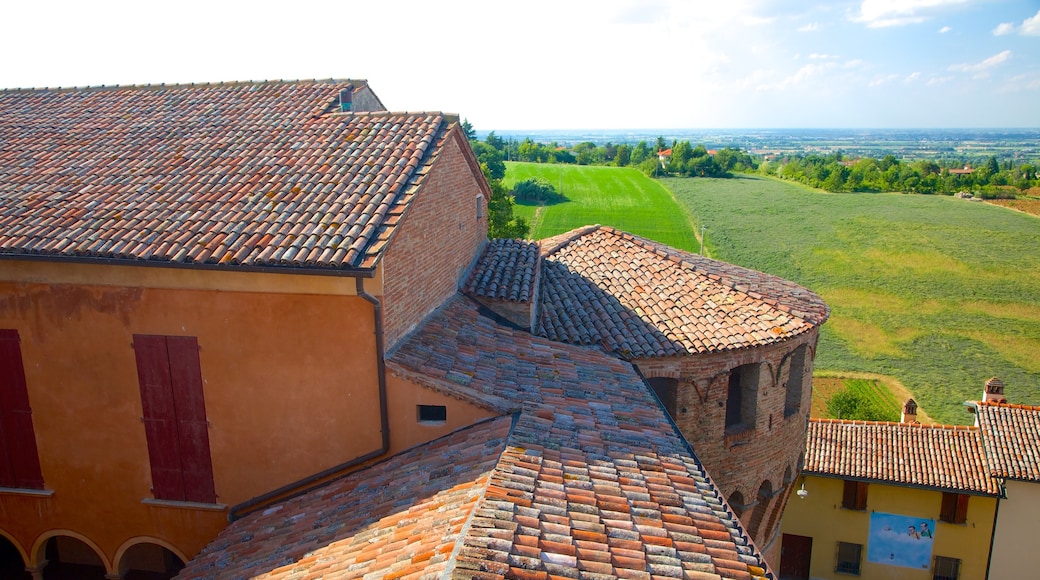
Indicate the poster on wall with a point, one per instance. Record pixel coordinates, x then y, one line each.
897 540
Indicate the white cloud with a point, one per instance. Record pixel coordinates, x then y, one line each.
1004 28
912 77
811 27
885 13
982 67
944 29
882 80
936 81
1031 26
818 56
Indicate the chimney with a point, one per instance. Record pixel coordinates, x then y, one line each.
994 391
345 98
909 412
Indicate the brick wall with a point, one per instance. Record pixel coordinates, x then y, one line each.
763 458
436 243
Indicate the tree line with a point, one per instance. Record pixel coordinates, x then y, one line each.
832 172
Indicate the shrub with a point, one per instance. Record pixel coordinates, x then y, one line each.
537 191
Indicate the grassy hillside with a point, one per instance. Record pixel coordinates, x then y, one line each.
937 292
623 198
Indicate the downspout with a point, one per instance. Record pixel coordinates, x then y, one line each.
993 534
316 480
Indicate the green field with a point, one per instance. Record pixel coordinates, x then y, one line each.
937 292
619 197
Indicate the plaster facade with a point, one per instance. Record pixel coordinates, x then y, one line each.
820 516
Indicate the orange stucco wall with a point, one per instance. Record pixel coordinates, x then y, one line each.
290 389
403 398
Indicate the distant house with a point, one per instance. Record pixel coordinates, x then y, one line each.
258 329
664 156
967 170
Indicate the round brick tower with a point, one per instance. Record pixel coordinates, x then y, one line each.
729 352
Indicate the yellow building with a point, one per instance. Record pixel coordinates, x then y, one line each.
900 501
1011 436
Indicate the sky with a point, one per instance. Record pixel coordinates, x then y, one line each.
563 64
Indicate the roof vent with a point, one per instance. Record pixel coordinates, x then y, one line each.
994 391
345 96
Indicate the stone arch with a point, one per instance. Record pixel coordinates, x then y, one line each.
736 503
788 476
13 559
152 556
762 499
39 554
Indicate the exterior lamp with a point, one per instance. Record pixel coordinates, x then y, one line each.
802 492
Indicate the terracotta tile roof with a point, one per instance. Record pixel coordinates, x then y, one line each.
592 481
507 270
639 298
251 174
1011 435
397 518
944 457
595 481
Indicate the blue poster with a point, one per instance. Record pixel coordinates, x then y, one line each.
898 540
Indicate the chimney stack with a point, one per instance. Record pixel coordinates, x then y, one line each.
909 411
994 391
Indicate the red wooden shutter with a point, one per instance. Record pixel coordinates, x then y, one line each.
192 428
160 416
19 458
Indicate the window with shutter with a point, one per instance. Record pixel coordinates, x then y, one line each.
954 509
19 457
854 495
170 378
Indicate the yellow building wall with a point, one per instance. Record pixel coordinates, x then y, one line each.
290 382
1017 538
821 517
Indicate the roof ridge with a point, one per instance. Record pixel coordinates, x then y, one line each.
866 422
154 86
558 242
1007 405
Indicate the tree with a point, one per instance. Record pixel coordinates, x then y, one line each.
624 155
850 404
501 221
537 191
490 160
495 141
467 128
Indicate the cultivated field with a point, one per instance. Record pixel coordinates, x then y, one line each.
619 197
931 294
937 292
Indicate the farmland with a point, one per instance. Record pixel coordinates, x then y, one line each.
936 293
619 197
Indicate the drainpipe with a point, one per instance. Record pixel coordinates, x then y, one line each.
316 480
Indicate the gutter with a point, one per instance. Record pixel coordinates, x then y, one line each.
322 478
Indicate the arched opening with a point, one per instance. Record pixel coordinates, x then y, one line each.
736 503
742 398
148 561
765 493
795 383
666 390
787 475
70 558
12 565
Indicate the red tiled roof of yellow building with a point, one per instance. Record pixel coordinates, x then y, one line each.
1011 435
944 457
265 174
639 298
